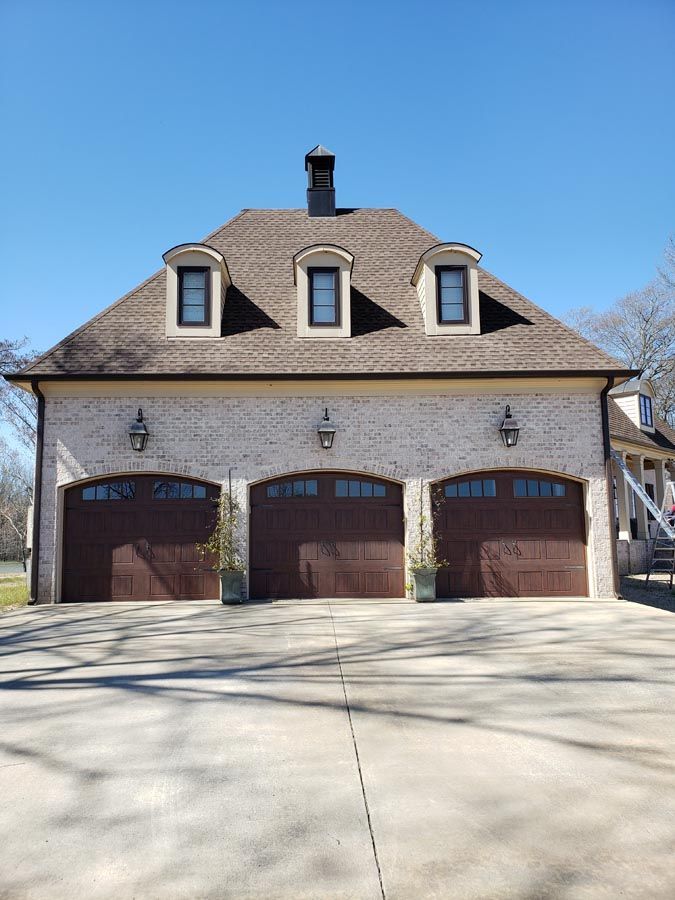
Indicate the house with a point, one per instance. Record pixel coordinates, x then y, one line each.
242 344
647 446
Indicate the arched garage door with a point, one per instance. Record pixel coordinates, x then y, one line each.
132 537
320 534
511 534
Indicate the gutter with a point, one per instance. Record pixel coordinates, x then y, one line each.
329 376
37 493
609 478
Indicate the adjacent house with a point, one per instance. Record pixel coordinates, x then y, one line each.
400 343
647 446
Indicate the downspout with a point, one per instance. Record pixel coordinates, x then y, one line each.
609 477
37 492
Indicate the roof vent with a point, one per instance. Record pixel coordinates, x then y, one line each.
319 164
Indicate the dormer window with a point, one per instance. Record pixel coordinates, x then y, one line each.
646 411
197 280
193 295
324 295
322 275
451 294
446 279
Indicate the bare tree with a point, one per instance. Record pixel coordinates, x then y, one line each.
15 499
639 330
17 407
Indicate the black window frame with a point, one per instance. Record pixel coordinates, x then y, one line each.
206 321
465 294
323 270
646 411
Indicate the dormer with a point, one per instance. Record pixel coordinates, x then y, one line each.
322 275
446 278
636 398
197 280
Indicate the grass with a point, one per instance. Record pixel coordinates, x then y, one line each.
13 592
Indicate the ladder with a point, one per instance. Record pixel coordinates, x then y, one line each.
662 556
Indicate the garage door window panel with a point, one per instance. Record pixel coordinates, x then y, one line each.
357 488
117 490
532 487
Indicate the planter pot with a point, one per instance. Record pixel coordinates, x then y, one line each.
424 584
231 584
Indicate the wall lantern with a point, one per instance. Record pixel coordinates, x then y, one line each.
138 433
326 432
509 429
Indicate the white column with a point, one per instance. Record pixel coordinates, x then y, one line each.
661 475
623 502
637 467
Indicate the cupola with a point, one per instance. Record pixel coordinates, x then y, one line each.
319 164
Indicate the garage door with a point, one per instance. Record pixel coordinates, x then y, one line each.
511 534
327 535
132 537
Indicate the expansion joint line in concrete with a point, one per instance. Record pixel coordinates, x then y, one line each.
356 753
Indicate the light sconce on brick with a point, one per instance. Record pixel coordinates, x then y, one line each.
138 433
509 429
326 431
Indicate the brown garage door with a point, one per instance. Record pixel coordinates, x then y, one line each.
324 534
511 534
132 537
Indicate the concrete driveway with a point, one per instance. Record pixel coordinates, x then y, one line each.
316 750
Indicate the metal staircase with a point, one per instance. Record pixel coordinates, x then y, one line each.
662 556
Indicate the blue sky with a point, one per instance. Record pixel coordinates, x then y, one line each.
540 132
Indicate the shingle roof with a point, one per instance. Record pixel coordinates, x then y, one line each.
259 320
623 428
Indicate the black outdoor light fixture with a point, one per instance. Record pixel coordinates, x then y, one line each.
509 429
138 433
326 431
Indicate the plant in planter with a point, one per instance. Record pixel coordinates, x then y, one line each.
222 548
423 559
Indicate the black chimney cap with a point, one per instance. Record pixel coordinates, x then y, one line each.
320 152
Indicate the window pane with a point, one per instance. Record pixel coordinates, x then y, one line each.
341 489
489 488
199 492
185 491
194 279
311 488
532 488
452 295
452 312
192 314
545 489
286 489
89 493
102 491
463 489
323 314
379 490
558 490
454 278
354 488
476 488
366 489
323 298
323 280
272 490
451 490
193 297
298 488
519 487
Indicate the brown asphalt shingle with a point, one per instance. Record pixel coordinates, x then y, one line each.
259 320
623 428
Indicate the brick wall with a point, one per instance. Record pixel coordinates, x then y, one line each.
407 438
